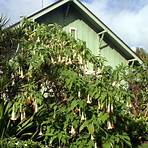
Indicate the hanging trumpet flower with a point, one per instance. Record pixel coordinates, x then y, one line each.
79 94
21 72
13 82
13 116
109 125
89 101
83 117
40 133
72 131
35 106
92 137
112 108
23 115
12 76
59 59
38 40
108 108
96 145
99 105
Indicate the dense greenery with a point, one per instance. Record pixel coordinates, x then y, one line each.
142 54
9 39
48 94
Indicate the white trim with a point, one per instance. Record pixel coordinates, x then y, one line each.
58 4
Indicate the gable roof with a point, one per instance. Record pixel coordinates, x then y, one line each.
128 53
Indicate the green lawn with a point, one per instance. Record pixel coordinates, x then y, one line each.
144 146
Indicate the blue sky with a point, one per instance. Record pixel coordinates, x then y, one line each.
127 18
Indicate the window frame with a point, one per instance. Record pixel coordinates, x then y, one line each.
70 31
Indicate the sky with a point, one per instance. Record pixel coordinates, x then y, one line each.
127 18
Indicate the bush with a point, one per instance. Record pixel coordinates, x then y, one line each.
64 96
16 143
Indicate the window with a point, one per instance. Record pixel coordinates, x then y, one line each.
73 32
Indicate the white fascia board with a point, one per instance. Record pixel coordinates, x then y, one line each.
58 4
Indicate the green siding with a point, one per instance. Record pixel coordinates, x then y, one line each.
84 32
113 57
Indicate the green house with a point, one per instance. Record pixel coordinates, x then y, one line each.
76 19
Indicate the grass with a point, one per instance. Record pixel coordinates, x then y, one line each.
144 145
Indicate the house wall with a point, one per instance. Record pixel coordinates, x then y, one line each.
113 57
84 31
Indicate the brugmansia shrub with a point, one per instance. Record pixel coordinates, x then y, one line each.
57 100
15 143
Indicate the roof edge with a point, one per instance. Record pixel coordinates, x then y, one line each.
91 15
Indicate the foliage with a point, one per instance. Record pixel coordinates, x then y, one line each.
142 54
13 142
64 96
9 38
3 22
4 117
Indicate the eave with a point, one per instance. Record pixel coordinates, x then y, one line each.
123 48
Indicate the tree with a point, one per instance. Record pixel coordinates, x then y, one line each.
142 54
9 39
55 100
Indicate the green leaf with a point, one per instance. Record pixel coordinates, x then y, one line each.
91 128
103 117
85 124
1 109
106 145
